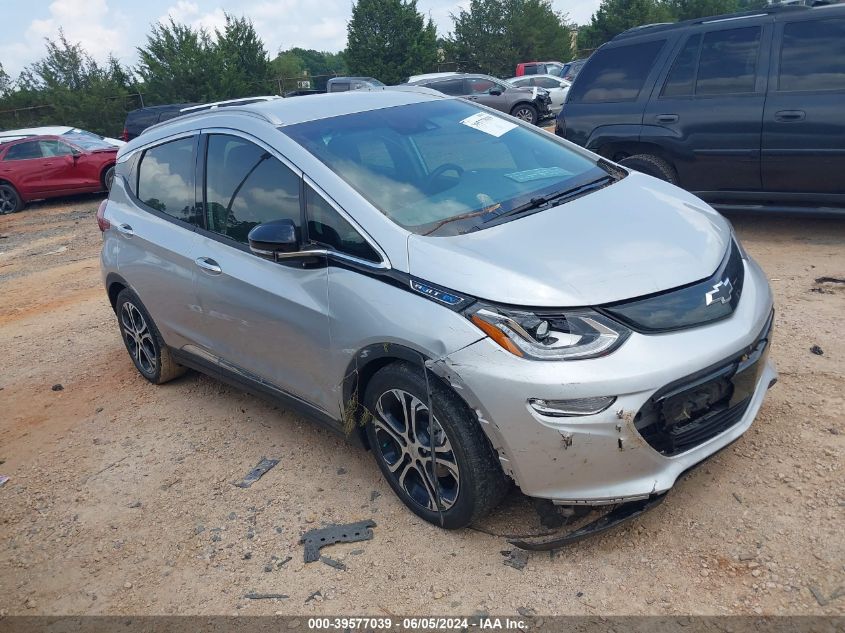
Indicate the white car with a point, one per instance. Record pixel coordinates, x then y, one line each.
558 88
55 130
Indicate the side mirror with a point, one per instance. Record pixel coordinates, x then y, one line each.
271 239
495 91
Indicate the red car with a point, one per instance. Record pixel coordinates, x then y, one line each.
48 166
538 68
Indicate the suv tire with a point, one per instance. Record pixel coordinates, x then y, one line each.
10 199
149 353
526 112
471 482
652 166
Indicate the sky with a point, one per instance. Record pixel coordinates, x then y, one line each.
119 26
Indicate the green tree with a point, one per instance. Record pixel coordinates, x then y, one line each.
178 64
493 36
390 40
242 64
79 91
691 9
5 82
614 16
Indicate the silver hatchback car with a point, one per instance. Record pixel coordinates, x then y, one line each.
474 299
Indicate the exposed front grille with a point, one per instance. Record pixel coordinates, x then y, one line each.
692 410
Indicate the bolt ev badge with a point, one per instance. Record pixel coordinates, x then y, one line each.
722 291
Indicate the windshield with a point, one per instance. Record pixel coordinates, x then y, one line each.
443 167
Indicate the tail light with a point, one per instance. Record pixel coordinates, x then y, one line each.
125 135
101 216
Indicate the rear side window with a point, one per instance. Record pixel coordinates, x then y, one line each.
23 151
813 56
545 82
728 62
327 227
166 179
246 186
616 74
681 78
453 87
340 87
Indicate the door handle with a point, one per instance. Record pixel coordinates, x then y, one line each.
790 115
206 263
125 229
667 118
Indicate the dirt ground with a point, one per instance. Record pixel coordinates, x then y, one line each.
120 498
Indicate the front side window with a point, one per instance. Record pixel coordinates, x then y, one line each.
23 151
166 179
616 74
455 167
246 186
728 63
328 228
481 86
54 148
813 56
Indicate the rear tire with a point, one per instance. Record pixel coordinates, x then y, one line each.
10 199
526 112
108 178
148 351
652 166
470 481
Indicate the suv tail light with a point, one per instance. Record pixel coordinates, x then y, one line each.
125 135
101 219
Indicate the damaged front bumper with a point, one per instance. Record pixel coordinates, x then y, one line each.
619 455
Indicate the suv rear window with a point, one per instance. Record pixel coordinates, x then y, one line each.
813 56
166 179
615 74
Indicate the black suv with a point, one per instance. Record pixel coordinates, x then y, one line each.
746 110
139 120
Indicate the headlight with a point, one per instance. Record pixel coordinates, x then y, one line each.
574 335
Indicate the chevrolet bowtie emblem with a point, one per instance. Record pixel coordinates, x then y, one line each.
722 291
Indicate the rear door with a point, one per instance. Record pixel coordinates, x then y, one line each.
157 237
267 321
709 110
804 119
26 166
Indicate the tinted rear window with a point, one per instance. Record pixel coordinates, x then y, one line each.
681 78
616 74
813 56
166 179
728 63
24 151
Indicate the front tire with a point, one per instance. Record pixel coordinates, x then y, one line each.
526 112
149 353
469 479
10 199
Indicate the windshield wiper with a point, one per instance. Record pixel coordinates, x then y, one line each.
559 196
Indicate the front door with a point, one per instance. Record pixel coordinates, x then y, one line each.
266 321
803 124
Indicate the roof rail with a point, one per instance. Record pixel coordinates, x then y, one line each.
264 116
665 26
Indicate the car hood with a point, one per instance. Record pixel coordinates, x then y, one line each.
635 237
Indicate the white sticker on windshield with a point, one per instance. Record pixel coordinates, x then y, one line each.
489 124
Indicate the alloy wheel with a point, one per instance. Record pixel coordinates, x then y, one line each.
525 114
139 339
8 202
401 427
